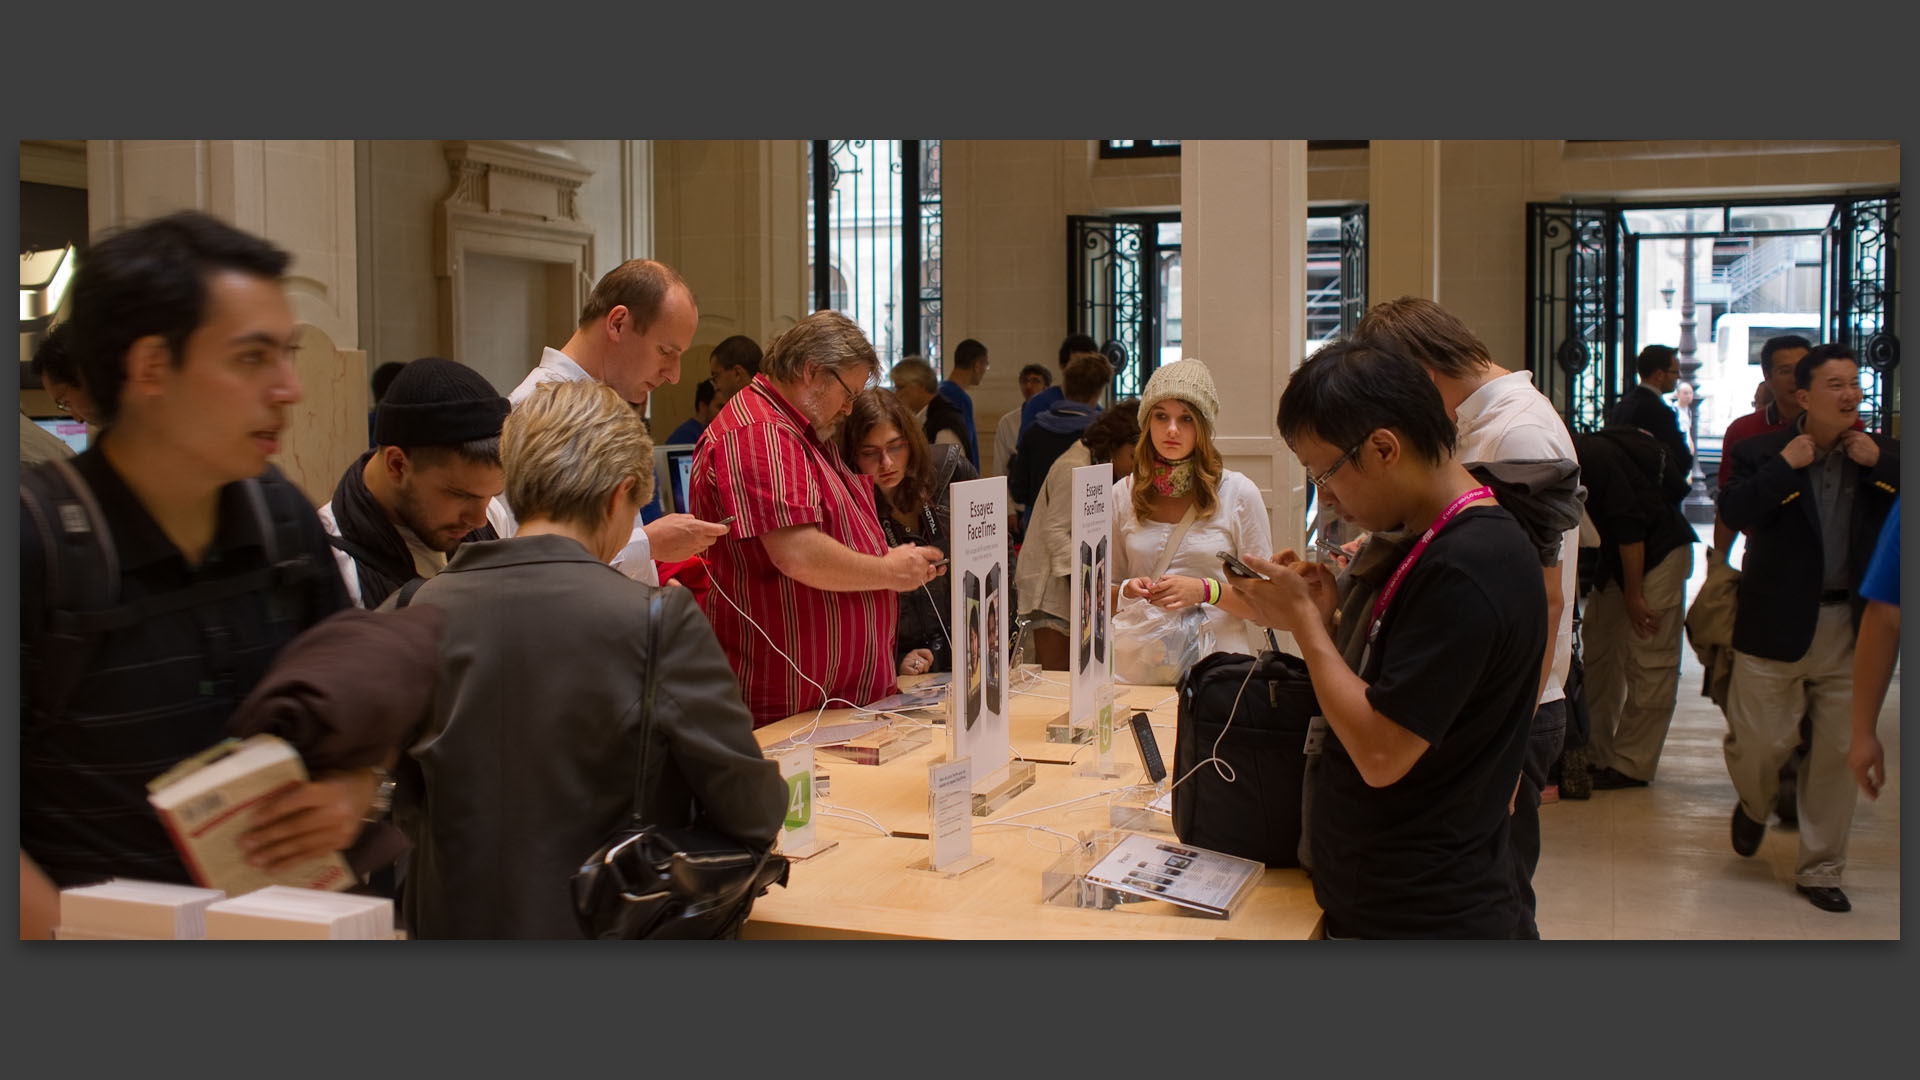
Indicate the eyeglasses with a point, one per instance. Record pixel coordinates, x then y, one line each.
873 454
851 392
1321 480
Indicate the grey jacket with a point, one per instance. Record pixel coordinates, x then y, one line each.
529 759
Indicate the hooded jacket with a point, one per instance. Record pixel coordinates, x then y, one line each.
1052 432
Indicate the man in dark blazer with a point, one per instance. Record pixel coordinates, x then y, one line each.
1811 499
1643 406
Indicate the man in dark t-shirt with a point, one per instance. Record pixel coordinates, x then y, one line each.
185 340
1409 829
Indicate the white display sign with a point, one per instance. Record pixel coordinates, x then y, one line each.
950 803
1090 651
982 587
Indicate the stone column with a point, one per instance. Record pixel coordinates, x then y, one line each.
300 195
1243 210
1403 220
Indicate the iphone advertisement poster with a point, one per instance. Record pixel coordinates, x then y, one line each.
1090 651
982 577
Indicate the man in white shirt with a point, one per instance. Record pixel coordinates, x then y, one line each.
633 329
1500 416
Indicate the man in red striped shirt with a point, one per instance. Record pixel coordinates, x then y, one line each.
805 569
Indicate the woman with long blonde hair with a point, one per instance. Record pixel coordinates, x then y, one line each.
1177 469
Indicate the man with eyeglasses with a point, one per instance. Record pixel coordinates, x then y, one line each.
1499 415
632 331
803 581
1410 829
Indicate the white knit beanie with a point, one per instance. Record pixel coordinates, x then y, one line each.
1191 382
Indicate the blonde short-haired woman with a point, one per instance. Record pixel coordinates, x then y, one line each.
530 757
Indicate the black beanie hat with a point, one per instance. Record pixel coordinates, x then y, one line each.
435 402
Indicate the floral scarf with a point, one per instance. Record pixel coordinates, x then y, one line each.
1172 479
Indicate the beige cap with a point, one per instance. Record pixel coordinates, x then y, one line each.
1191 382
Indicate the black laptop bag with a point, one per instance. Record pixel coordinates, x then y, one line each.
1256 815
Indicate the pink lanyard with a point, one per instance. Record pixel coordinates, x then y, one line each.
1406 564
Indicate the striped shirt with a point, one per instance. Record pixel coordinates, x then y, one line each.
761 463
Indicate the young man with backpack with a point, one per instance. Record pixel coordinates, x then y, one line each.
1635 611
163 569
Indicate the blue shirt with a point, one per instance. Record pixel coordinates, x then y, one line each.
1882 582
953 392
688 432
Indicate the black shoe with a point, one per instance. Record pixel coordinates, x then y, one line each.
1747 834
1608 778
1825 897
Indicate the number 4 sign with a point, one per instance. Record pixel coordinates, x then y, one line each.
797 839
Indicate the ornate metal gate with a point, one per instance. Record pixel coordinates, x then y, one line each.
1113 293
1575 260
874 232
1863 288
1353 267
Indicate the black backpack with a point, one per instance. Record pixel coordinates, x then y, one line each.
82 573
1262 741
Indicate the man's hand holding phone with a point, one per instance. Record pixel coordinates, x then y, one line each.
1290 593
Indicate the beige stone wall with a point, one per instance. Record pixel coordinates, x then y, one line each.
731 217
403 184
301 195
1004 207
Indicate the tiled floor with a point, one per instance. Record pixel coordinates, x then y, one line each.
1656 862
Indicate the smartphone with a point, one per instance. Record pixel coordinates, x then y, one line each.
1235 566
943 561
728 520
994 646
1100 602
1149 747
1331 548
971 586
1086 604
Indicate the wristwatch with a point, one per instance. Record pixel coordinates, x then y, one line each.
382 796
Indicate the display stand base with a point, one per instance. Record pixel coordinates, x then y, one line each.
882 746
953 869
1060 729
1135 811
1064 883
808 851
999 787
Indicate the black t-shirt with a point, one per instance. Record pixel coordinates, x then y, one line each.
156 692
1457 663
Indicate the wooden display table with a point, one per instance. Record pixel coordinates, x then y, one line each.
864 888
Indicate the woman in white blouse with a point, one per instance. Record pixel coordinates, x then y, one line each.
1176 468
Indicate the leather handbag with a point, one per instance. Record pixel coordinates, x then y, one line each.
655 881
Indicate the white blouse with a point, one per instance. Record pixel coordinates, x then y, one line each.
1238 524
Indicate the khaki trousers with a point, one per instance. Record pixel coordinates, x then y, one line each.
1764 707
1633 682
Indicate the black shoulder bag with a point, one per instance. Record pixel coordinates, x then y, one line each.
652 881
